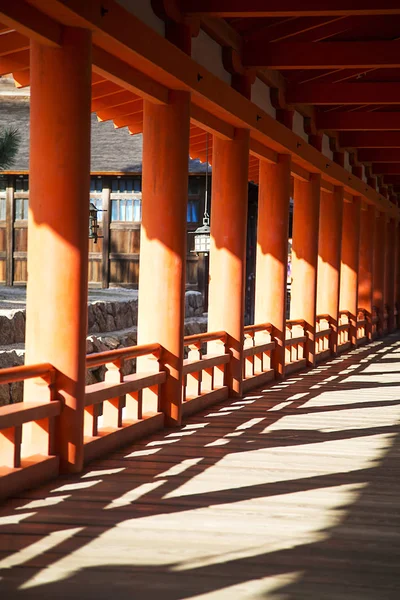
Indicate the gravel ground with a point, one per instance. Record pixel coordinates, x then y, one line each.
14 298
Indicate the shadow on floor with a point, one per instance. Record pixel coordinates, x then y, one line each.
224 506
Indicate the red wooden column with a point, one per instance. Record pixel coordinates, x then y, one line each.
163 240
58 227
305 257
272 252
397 275
350 262
228 247
390 254
379 268
365 271
329 253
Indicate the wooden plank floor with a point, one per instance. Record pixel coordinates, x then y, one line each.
291 493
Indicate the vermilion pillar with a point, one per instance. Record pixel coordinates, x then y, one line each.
397 274
365 271
272 252
350 262
58 227
379 267
305 257
163 239
228 247
390 270
329 253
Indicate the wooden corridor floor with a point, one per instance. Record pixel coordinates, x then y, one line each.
291 493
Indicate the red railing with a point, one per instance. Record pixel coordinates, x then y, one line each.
344 331
258 346
323 338
130 403
204 370
362 324
375 322
385 319
295 344
27 430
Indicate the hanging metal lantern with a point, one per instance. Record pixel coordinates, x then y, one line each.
202 235
93 223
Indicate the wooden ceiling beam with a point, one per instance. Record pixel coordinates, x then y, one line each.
324 55
120 111
13 42
211 123
288 8
116 99
29 21
22 79
128 120
128 77
304 30
358 121
370 139
19 61
377 155
343 93
386 169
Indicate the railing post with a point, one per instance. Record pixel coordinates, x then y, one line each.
58 227
329 253
391 244
379 268
228 248
365 271
272 252
305 258
350 262
163 241
397 274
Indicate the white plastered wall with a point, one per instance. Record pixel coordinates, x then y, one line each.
298 125
326 150
208 53
260 95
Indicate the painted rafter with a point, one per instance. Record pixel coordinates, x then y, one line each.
31 22
344 93
358 121
140 47
376 155
19 61
324 55
288 8
370 139
128 77
386 169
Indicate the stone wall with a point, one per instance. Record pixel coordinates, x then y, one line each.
102 317
111 325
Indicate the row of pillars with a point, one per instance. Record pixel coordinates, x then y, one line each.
58 239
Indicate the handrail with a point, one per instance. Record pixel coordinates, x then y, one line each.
13 374
205 337
101 358
261 327
323 317
293 322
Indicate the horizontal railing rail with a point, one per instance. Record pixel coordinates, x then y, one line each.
362 325
204 370
323 337
27 429
295 342
344 330
123 407
258 346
